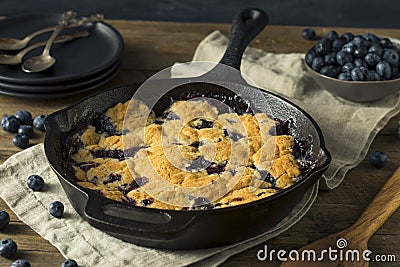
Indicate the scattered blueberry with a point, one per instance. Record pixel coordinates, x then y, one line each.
20 263
25 117
308 34
21 141
383 69
10 124
4 219
26 130
8 248
35 182
378 159
69 263
56 209
38 122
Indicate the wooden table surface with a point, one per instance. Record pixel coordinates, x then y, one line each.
152 46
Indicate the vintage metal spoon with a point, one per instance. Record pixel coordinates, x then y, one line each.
17 44
45 60
16 59
355 238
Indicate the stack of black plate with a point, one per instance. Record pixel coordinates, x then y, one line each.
81 65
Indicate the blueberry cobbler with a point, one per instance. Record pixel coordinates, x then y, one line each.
125 152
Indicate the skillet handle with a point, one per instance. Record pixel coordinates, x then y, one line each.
140 222
245 26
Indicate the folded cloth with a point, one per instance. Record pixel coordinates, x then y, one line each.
76 239
347 138
348 127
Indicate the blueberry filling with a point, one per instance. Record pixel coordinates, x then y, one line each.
103 124
281 127
85 166
300 148
237 199
198 164
169 116
202 203
195 144
204 124
215 169
112 177
131 152
267 177
115 154
147 201
233 135
129 200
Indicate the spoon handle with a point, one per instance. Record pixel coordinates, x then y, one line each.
67 17
385 203
60 39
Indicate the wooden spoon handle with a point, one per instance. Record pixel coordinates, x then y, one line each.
385 203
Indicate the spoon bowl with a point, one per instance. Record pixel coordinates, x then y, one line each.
13 44
38 63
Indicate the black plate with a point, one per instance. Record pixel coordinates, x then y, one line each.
76 59
60 94
68 85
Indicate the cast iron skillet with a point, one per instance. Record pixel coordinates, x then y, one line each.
192 229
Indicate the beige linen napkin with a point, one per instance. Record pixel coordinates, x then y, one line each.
348 127
76 239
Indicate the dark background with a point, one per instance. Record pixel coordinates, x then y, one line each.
363 13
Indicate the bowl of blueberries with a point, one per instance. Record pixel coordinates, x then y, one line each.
361 68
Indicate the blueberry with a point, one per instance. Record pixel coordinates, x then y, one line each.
372 38
364 70
20 263
391 56
21 141
310 56
317 63
25 117
4 219
349 48
386 43
360 41
69 263
395 73
383 69
56 209
7 248
372 59
330 59
360 63
345 76
35 182
357 74
337 45
378 159
332 35
323 47
330 71
343 57
10 124
308 34
360 52
348 67
26 130
38 122
372 76
347 37
376 49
